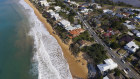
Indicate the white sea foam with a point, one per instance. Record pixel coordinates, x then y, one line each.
48 55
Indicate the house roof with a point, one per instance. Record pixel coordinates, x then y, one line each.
135 31
126 38
44 2
57 8
103 67
129 26
109 65
107 34
65 22
105 77
132 46
107 11
73 27
76 31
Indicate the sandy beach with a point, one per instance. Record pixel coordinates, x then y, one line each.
78 69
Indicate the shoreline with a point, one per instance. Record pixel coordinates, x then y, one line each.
77 69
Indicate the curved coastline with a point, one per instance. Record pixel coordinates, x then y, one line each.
76 69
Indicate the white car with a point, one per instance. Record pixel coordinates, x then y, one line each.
123 61
125 71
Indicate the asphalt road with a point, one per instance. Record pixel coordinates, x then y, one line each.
132 73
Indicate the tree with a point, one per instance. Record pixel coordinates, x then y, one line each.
96 51
100 77
115 45
71 18
117 72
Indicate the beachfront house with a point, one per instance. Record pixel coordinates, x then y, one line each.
70 28
57 8
109 65
97 6
107 11
64 23
131 46
75 32
67 1
44 3
54 15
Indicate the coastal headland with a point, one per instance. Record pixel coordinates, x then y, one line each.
77 69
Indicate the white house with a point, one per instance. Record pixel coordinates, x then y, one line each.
136 32
67 0
54 15
129 26
97 5
131 46
70 28
108 11
65 23
109 65
57 8
105 77
44 3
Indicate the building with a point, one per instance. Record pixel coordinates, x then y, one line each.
108 11
66 0
109 65
97 6
105 77
75 32
57 8
126 38
44 3
129 26
136 32
54 15
65 23
70 28
91 71
131 46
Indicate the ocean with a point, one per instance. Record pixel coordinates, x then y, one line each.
135 3
27 50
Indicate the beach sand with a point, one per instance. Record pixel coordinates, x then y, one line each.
77 69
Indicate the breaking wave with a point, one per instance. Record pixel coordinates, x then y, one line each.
48 59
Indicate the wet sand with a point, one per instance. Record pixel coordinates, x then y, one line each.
77 69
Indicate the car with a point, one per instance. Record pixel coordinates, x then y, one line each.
112 56
110 48
125 71
123 61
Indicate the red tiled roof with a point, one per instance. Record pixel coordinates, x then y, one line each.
75 32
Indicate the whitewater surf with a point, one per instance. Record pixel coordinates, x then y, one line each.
48 60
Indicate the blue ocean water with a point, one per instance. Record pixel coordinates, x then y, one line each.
135 3
15 43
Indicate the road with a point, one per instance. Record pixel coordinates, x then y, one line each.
132 73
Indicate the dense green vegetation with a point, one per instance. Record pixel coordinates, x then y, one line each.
117 72
62 33
83 36
115 45
96 51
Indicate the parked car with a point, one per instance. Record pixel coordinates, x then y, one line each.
123 61
125 71
112 56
